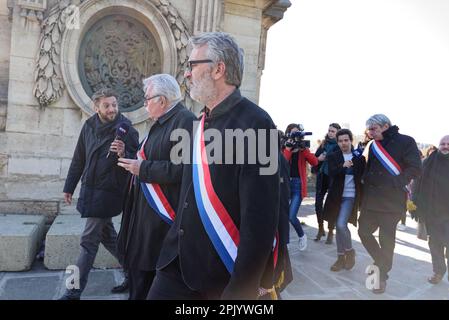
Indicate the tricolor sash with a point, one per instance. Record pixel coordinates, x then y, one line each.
154 195
385 158
217 222
275 249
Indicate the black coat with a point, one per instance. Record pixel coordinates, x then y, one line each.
382 191
142 230
337 174
103 182
252 201
431 196
273 274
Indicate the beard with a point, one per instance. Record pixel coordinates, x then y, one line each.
203 90
107 117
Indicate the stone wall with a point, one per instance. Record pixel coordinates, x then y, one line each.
5 40
36 145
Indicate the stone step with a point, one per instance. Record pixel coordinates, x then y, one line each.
20 238
62 244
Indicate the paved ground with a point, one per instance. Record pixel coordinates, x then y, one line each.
312 277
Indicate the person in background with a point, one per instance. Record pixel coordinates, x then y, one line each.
297 158
431 197
342 203
328 145
393 161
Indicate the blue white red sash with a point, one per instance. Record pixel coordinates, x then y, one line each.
216 220
154 195
275 249
386 159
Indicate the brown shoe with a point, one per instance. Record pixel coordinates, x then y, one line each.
435 279
382 287
339 264
349 259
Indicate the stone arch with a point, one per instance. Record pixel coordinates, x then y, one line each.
91 12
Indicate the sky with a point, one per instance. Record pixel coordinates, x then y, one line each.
345 60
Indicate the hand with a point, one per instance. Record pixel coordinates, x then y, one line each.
411 206
130 165
118 146
68 198
322 157
348 164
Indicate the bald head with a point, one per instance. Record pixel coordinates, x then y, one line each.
444 145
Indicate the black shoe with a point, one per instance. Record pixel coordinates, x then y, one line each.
124 287
339 264
349 259
435 279
320 233
381 289
72 294
330 237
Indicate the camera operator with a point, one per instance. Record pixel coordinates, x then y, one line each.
296 151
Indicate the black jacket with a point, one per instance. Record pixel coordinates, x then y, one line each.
142 231
382 191
103 182
252 201
335 194
431 196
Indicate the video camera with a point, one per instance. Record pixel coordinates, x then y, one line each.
295 140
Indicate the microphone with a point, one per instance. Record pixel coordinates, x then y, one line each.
120 133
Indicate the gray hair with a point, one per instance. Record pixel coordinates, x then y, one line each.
222 47
379 119
165 85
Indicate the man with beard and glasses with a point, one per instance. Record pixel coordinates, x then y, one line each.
103 183
223 235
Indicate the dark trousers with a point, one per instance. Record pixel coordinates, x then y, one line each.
96 231
322 186
139 283
382 252
169 285
437 252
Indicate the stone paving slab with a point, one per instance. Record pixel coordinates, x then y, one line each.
62 244
20 237
30 288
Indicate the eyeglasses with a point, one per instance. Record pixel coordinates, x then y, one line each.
147 100
191 63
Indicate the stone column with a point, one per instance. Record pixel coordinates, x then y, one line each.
208 16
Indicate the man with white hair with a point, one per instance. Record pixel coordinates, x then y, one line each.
393 161
153 198
431 196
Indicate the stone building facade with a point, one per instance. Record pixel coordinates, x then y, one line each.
53 54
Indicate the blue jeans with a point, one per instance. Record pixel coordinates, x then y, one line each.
343 236
295 203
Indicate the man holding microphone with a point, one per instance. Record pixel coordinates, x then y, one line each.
103 183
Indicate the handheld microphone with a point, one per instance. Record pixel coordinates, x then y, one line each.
120 133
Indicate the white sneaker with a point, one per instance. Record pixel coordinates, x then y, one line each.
303 243
402 227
